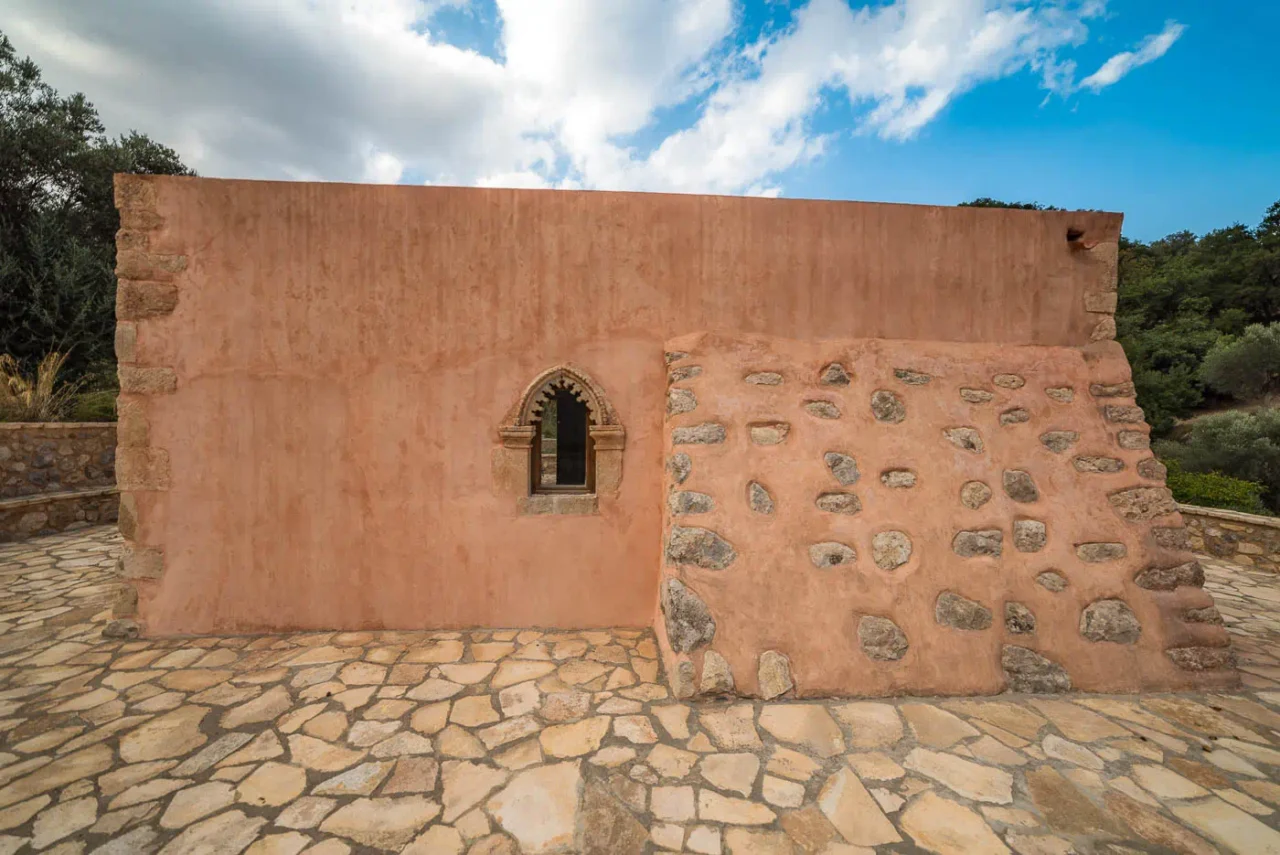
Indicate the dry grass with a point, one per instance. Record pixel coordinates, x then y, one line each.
34 399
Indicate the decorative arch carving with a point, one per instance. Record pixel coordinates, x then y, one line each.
572 379
513 464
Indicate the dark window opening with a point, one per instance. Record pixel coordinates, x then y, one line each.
562 447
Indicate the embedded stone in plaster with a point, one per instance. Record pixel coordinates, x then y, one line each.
774 674
1207 614
1112 390
707 433
1019 486
682 685
675 356
1143 503
679 465
912 378
976 396
843 467
758 498
1029 535
1061 394
965 439
1059 441
822 409
898 479
688 621
1019 619
1152 469
700 547
1118 414
1201 658
1097 464
1168 578
839 503
684 372
764 378
831 554
1133 440
881 639
1028 671
1172 537
717 679
1016 416
974 494
890 549
689 502
768 433
888 407
970 544
1110 620
951 609
1008 381
834 375
1098 552
1052 580
680 401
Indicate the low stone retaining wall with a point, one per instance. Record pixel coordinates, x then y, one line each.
56 457
55 477
1246 539
47 513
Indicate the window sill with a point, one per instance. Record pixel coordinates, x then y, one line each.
563 504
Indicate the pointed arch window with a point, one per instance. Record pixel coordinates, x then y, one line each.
561 445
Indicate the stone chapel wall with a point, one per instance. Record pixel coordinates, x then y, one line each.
879 517
316 378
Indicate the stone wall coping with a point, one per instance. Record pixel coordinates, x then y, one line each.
46 498
1230 516
16 426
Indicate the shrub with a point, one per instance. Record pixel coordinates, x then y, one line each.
1245 366
99 406
1215 490
38 398
1237 444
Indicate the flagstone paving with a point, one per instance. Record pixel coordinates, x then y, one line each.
500 742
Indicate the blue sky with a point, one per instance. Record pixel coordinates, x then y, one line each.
1162 110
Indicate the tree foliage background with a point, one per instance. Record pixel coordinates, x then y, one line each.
58 220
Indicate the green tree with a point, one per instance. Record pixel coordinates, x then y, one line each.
58 218
988 202
1247 366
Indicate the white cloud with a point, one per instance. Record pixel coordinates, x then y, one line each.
618 94
1152 48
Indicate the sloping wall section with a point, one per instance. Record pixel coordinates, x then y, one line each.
314 376
903 517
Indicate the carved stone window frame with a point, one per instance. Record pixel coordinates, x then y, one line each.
514 467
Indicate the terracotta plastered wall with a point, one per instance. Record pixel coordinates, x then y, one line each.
316 377
884 517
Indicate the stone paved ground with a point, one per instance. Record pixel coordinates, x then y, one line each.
504 742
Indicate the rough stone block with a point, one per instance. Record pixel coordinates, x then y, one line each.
137 300
131 424
1059 441
700 547
843 467
142 468
831 554
1110 620
838 503
888 407
1098 552
912 378
1102 302
881 639
1201 658
834 375
681 401
707 433
769 433
965 439
1029 535
137 264
1105 330
689 623
953 610
141 562
1028 671
147 381
1143 503
126 342
970 544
